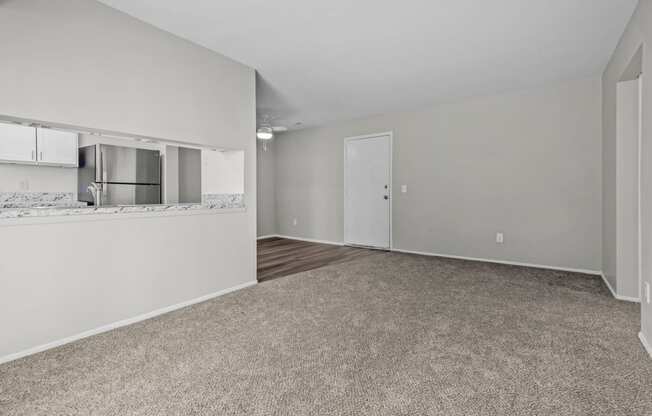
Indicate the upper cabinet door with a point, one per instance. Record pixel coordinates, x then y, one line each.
17 143
56 147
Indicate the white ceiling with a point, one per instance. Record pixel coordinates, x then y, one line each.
320 61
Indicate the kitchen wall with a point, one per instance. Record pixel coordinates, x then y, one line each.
626 56
222 172
526 163
78 62
27 178
189 175
90 139
170 189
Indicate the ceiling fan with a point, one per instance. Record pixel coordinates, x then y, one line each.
265 129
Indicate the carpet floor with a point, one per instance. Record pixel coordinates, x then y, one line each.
393 334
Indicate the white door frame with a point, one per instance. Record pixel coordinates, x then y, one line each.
390 185
640 188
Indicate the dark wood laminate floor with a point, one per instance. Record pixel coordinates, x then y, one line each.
278 257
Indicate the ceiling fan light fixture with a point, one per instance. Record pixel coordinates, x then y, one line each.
265 133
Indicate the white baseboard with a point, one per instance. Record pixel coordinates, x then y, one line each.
510 263
628 298
310 240
646 344
125 322
262 237
606 282
423 253
617 296
538 266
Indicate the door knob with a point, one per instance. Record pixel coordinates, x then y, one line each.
386 197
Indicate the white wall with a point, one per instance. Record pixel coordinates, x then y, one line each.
80 63
638 34
527 164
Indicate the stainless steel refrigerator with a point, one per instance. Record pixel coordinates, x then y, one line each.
115 175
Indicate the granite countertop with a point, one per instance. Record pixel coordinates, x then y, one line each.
77 204
45 200
69 207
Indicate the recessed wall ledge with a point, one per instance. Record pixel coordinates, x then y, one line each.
209 202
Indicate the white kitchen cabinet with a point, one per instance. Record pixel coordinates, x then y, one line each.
17 143
57 148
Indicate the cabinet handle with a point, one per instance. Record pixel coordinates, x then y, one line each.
40 156
33 155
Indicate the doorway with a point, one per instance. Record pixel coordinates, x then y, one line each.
367 191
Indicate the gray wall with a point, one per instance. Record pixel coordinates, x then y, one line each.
638 32
266 162
170 174
189 175
80 63
527 164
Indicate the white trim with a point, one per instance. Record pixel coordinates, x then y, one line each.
262 237
628 298
511 263
391 180
122 323
310 240
646 344
617 296
639 190
606 282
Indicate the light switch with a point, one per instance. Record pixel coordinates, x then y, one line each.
500 238
404 189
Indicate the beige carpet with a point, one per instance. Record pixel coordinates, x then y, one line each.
391 334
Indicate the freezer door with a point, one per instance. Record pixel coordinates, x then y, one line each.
118 194
128 165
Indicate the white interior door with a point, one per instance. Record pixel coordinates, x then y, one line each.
367 191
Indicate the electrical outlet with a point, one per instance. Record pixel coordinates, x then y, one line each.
24 185
295 222
500 238
647 292
404 189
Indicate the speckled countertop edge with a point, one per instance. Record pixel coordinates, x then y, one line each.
11 213
209 202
